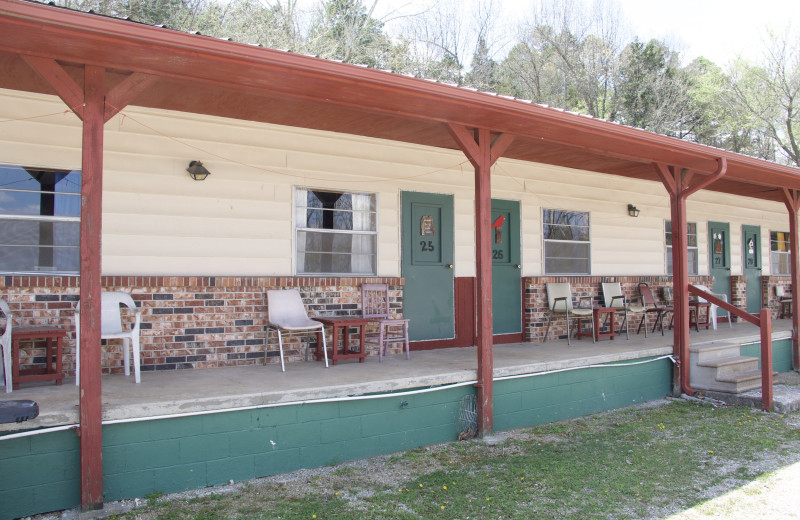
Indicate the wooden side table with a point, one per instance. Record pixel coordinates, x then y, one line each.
694 310
597 313
342 323
52 369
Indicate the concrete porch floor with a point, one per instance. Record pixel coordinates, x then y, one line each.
188 391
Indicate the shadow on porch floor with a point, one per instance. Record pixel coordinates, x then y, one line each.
189 391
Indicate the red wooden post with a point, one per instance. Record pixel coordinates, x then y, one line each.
91 434
766 359
482 153
792 202
677 181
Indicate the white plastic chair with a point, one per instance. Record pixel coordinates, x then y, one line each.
5 343
712 313
287 313
111 328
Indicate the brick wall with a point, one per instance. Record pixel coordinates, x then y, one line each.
768 284
190 322
738 294
535 304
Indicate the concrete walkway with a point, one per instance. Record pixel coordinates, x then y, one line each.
195 391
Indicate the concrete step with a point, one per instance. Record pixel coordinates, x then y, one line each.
731 365
711 351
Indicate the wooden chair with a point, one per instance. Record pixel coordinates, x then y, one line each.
375 307
559 303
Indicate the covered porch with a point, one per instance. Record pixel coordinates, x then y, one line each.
165 394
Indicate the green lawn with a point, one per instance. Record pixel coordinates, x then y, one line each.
645 462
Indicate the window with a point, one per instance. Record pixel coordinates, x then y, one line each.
779 253
335 232
566 242
40 213
691 240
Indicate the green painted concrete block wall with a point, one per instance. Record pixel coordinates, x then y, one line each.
171 455
564 395
781 354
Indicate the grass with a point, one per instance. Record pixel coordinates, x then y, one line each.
633 463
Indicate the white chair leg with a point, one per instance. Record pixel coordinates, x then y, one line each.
136 360
77 349
126 355
325 347
280 347
408 348
7 368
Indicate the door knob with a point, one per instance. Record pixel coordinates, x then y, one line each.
517 266
449 266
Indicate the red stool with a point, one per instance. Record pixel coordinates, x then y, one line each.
52 369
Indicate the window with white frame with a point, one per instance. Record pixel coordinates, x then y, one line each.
40 220
691 241
566 242
780 253
335 232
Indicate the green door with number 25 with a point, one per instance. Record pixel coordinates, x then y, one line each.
427 265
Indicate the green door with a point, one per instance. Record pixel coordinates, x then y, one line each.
427 264
751 260
720 259
506 273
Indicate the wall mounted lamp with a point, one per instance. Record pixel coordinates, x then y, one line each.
633 211
197 171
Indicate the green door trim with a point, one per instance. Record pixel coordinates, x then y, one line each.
751 266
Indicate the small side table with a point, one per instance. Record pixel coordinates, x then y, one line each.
53 369
597 312
694 309
342 323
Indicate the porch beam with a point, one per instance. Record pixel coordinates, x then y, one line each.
91 433
482 152
123 94
679 185
791 199
66 88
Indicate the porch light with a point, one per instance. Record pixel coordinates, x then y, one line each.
197 171
633 211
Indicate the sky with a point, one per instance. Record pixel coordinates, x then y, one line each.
716 29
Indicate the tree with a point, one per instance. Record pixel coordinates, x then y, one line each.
345 30
251 21
770 94
483 73
652 90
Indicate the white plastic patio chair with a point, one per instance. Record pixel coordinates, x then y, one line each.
287 313
559 302
111 328
712 313
5 343
614 298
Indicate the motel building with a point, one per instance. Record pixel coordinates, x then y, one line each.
196 176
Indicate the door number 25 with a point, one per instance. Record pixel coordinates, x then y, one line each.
427 246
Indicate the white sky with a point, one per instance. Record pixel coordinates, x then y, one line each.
716 29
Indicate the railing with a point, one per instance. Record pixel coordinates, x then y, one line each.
762 320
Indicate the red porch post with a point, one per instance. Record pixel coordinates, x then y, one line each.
92 106
482 153
791 198
677 181
91 432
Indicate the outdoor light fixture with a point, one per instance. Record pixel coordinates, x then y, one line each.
633 210
197 171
